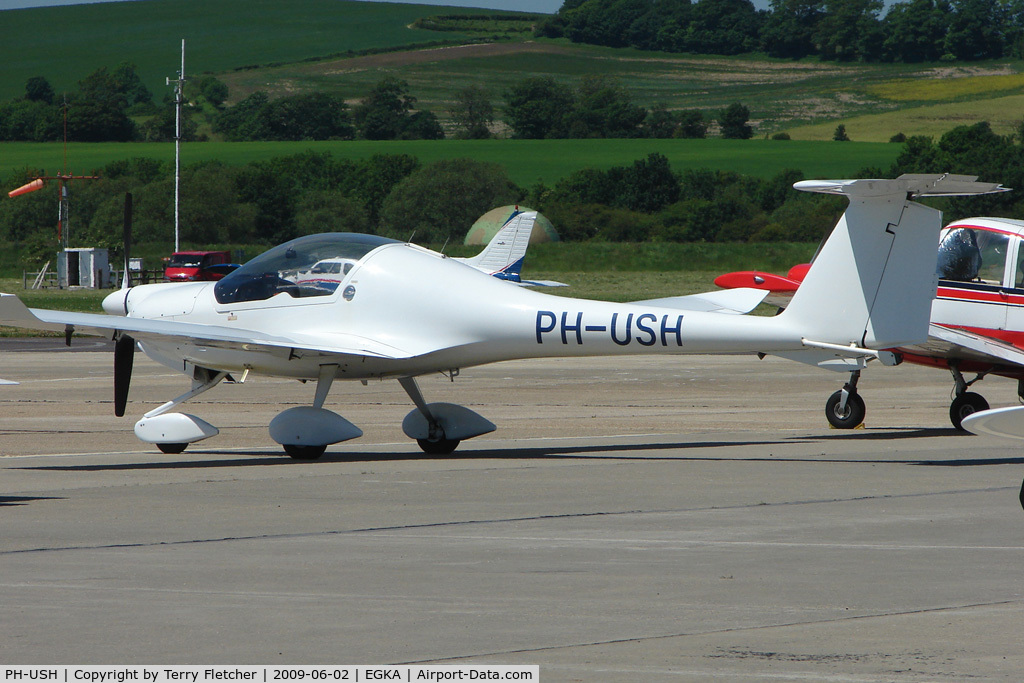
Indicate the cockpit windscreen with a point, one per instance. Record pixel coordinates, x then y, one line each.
969 255
959 256
313 265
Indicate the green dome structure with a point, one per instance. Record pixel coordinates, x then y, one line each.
490 223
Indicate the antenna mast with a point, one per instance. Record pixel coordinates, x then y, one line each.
179 100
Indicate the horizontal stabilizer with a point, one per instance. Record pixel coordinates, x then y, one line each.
742 300
756 280
908 184
539 283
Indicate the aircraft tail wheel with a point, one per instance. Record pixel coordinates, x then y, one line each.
439 446
966 404
849 418
172 448
304 452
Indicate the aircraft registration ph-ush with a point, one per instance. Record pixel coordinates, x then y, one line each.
403 311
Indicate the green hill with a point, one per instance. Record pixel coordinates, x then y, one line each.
288 48
65 44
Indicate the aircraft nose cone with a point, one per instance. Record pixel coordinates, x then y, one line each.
116 303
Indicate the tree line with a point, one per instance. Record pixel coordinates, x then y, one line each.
99 110
841 30
398 196
599 107
107 102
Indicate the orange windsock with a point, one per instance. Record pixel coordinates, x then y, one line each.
25 189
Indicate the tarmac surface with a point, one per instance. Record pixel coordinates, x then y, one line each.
638 519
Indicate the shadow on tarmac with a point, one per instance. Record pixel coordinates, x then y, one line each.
619 452
11 501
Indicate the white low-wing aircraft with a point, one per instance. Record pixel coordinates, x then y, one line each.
403 311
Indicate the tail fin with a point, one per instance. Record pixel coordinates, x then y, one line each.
503 255
882 250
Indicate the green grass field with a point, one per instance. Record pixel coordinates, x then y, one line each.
526 161
946 89
65 44
1003 113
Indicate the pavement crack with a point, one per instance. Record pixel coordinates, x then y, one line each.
713 632
500 520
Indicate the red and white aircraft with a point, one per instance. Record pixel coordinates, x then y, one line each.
977 316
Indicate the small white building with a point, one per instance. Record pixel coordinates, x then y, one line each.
83 267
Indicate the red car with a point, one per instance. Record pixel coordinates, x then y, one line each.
198 265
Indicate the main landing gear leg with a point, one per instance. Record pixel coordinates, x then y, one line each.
323 386
306 431
965 402
436 442
845 409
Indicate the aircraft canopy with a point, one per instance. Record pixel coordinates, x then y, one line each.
296 267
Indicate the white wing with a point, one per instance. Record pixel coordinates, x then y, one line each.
13 312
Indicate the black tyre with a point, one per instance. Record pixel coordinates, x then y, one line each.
439 447
304 452
172 447
845 419
965 404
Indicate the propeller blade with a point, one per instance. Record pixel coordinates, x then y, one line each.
126 281
124 358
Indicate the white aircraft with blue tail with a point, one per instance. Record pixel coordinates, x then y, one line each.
504 255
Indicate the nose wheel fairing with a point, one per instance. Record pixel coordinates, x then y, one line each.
170 430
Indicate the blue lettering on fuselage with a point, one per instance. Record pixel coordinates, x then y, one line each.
645 329
640 320
545 323
577 328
